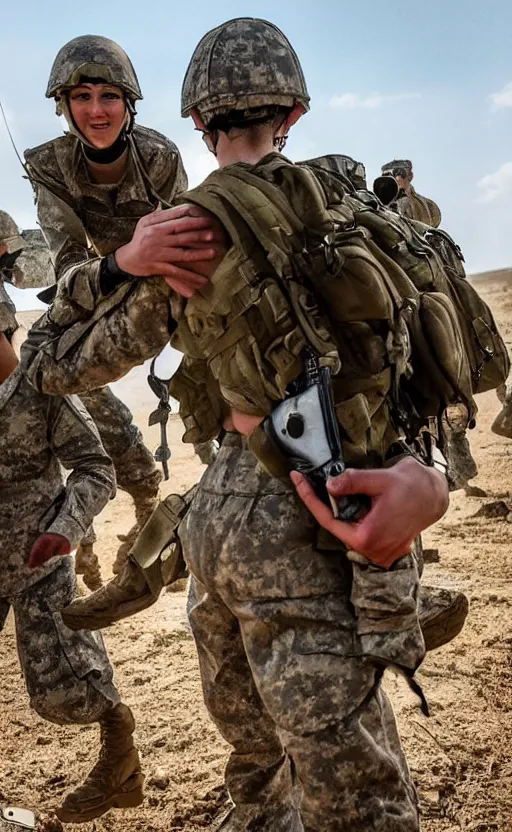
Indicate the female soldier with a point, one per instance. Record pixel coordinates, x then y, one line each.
92 187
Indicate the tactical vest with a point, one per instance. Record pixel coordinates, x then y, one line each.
313 265
108 213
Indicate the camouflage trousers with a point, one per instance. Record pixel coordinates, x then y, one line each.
68 674
314 738
134 464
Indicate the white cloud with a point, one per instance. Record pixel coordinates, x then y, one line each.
353 101
495 185
501 100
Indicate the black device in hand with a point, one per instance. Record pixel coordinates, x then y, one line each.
305 427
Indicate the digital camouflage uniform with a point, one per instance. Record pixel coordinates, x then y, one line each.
68 675
281 665
83 222
285 669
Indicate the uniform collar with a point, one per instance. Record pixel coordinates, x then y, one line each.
131 188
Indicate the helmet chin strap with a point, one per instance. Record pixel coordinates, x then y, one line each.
63 109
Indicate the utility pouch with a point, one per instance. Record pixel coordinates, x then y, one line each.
157 550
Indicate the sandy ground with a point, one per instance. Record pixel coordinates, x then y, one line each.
461 757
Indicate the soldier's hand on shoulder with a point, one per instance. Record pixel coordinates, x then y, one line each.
48 546
182 244
406 499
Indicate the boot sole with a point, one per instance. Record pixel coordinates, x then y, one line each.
122 800
440 630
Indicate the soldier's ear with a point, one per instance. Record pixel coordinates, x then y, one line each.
294 116
198 121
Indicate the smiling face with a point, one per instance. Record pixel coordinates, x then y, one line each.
98 111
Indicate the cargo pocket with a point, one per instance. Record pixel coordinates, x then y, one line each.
385 603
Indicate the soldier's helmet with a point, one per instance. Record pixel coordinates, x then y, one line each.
400 167
92 56
9 233
244 63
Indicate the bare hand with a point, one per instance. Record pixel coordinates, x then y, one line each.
48 546
165 241
406 499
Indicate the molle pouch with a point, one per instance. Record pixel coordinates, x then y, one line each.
442 373
157 550
13 819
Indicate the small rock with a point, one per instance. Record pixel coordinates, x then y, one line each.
159 780
44 741
48 822
431 556
475 491
495 510
141 680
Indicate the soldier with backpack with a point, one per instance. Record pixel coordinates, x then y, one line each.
307 321
408 202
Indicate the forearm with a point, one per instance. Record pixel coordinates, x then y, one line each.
130 327
88 490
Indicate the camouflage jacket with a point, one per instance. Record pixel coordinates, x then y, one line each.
37 434
84 221
417 207
8 322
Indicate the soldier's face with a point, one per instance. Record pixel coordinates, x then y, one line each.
98 111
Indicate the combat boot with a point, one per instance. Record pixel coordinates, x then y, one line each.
442 613
116 780
126 594
87 565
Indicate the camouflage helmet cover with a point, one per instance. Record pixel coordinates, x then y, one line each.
9 233
92 56
397 164
244 63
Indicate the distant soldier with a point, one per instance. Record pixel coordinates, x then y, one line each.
409 203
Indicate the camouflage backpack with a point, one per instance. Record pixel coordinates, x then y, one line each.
407 241
313 264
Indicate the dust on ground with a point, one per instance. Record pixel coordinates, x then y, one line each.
461 757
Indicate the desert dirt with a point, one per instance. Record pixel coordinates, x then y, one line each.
461 757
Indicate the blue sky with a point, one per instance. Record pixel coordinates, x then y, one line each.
388 78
